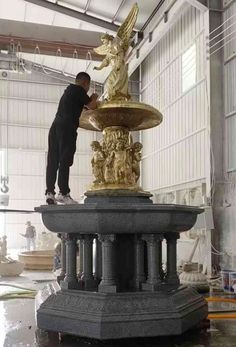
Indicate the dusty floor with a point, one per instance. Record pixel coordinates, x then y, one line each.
18 327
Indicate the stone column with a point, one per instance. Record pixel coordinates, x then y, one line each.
171 273
87 276
108 283
139 275
162 273
154 242
97 260
81 256
63 259
70 280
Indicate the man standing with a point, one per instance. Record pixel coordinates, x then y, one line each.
30 235
62 138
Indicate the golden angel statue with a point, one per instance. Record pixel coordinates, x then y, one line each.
114 49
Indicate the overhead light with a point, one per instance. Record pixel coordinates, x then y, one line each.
138 37
165 16
150 36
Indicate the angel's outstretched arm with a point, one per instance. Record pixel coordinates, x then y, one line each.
103 64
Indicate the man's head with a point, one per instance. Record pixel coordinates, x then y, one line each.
28 223
83 80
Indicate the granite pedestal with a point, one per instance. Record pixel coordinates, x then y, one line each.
129 294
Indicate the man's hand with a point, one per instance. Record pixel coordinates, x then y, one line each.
94 96
93 103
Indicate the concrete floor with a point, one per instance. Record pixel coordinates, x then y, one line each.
18 327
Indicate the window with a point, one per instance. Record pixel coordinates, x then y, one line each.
189 68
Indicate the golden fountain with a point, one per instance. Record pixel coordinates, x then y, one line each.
116 159
129 294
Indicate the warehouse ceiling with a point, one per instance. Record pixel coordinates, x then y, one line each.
37 27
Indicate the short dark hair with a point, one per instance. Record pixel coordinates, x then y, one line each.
83 76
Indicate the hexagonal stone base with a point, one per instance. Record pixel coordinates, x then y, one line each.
122 315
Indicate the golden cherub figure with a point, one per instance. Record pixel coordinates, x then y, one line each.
114 50
136 158
98 162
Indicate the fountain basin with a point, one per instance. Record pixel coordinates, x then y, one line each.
118 218
131 115
129 294
37 260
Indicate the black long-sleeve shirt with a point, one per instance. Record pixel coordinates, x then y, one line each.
71 105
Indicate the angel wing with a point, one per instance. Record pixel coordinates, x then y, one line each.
125 30
101 50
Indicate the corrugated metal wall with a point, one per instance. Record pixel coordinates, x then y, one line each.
28 104
177 152
230 85
225 189
166 5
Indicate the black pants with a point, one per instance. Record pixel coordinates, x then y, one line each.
61 150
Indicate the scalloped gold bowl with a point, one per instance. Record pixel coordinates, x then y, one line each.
132 115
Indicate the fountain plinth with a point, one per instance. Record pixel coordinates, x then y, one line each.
116 158
128 294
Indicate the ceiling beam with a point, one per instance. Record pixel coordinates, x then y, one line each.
44 32
198 5
49 39
118 10
75 14
46 47
154 12
87 6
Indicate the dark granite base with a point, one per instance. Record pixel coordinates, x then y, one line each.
122 315
117 197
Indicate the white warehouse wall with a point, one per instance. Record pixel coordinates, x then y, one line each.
28 103
230 85
176 155
177 152
225 188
